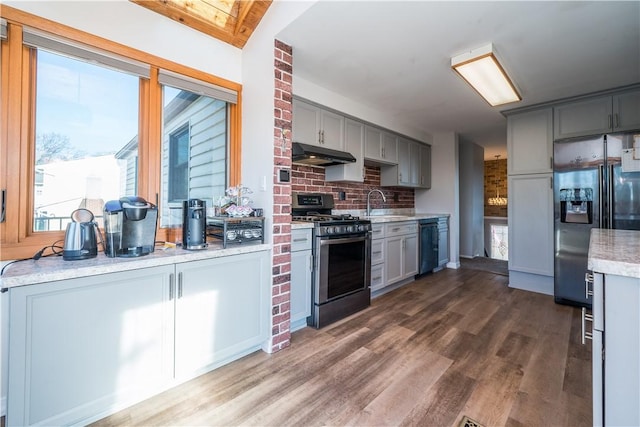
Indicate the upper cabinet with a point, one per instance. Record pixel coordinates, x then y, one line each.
530 142
413 168
380 146
594 116
354 144
317 126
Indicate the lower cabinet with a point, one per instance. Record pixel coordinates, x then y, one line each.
443 241
531 246
81 349
377 257
301 269
401 249
616 350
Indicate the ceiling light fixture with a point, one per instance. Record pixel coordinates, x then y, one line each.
481 69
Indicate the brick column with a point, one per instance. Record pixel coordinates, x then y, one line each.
281 274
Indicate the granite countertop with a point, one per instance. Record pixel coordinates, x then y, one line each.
55 268
615 252
301 224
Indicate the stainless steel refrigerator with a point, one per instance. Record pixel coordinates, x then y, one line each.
596 185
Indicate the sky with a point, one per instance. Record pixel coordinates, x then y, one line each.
97 108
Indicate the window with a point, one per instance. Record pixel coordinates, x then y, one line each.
499 242
85 115
84 123
178 164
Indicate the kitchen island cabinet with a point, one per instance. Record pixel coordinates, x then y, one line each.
614 258
84 347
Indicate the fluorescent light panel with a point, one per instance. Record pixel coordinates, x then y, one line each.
481 69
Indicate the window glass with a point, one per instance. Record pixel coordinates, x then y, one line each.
194 149
85 138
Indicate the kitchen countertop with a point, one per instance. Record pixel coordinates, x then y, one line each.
376 219
615 252
53 268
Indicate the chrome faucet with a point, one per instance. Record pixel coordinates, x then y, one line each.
384 199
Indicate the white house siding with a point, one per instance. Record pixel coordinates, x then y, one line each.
207 118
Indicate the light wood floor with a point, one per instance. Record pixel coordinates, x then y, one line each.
451 344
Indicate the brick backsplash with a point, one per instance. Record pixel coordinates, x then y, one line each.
312 180
495 171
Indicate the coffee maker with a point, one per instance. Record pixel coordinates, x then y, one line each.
194 224
130 227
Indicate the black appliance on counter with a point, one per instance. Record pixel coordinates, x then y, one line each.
341 259
194 224
429 239
130 227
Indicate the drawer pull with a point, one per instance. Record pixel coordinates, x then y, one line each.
377 278
376 252
586 317
588 280
301 240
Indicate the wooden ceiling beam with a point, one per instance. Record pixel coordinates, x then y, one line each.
232 21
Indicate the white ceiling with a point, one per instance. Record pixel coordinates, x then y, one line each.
395 56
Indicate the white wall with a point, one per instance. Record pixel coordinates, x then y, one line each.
257 107
135 26
471 161
443 197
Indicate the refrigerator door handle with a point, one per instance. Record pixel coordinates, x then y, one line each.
600 201
610 197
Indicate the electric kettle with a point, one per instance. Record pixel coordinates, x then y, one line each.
80 238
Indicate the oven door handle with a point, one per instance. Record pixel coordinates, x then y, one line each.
341 240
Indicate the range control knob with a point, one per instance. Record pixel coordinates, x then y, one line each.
349 228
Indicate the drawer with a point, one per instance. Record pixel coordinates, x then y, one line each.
401 228
377 231
377 251
377 277
300 239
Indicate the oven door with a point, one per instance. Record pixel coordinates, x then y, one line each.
343 266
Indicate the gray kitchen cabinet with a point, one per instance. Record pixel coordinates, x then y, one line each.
443 241
81 349
314 125
425 166
616 350
381 147
378 257
401 251
221 310
530 142
354 144
408 171
530 210
301 269
597 115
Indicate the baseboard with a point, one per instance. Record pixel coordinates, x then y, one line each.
454 265
531 282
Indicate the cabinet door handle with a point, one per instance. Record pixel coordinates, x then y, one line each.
319 137
179 285
310 262
551 163
586 317
171 285
323 137
588 280
617 120
610 122
383 152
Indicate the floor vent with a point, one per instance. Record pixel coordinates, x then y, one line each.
468 422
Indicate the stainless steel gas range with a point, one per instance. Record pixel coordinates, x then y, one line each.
341 258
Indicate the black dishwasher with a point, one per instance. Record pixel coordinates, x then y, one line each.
428 230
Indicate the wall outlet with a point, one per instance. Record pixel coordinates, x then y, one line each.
342 195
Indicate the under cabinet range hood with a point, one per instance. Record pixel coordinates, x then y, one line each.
313 155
